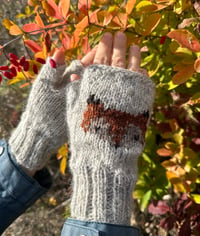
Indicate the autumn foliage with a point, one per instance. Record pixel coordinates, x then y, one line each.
168 33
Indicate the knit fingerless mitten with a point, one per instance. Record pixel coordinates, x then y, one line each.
107 115
42 129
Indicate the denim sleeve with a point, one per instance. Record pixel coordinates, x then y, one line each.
18 191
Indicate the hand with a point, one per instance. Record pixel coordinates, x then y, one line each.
108 111
110 51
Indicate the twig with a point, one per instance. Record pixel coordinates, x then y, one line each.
63 204
11 41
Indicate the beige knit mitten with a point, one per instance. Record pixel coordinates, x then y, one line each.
107 115
42 129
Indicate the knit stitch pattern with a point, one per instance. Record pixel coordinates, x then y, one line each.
42 129
107 115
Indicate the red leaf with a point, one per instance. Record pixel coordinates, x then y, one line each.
64 7
162 39
40 60
185 229
31 28
168 223
47 41
22 60
160 208
13 71
14 62
33 46
4 67
84 6
26 66
8 75
13 56
35 69
185 39
0 79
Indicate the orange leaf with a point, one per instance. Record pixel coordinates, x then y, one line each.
64 7
25 85
184 73
129 6
197 65
66 41
82 25
31 28
79 29
33 3
33 45
163 152
51 9
104 17
86 46
84 6
121 20
185 39
39 20
15 30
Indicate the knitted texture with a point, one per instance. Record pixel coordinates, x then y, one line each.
107 115
42 129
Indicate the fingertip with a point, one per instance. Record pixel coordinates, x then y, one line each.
135 47
59 57
74 77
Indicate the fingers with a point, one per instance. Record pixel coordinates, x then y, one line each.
89 58
134 58
119 50
104 50
59 57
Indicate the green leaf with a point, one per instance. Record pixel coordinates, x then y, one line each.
145 200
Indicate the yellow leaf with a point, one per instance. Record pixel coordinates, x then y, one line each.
63 165
148 24
52 201
178 184
196 198
8 23
63 153
178 137
145 6
20 76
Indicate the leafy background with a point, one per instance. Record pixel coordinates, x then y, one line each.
168 189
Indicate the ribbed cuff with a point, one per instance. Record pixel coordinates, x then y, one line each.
102 195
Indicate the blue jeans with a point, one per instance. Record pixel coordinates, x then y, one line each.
74 227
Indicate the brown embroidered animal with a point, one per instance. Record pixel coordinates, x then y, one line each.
118 122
